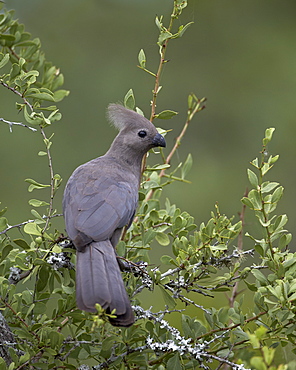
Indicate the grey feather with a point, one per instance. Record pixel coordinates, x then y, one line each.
100 199
121 117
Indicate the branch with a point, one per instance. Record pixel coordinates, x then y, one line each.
235 291
27 222
7 340
157 86
162 61
52 181
197 106
180 344
113 358
17 93
184 299
231 326
174 286
20 319
10 123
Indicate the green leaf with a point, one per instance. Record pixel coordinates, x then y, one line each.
138 110
37 203
253 179
60 95
41 153
265 168
30 77
246 201
268 135
181 3
182 29
187 323
43 278
280 222
14 72
37 216
4 60
154 215
24 358
3 223
260 277
40 308
174 362
148 236
259 248
255 199
107 345
162 239
284 241
42 96
158 22
255 163
35 185
267 186
268 354
21 243
56 338
164 35
32 118
142 58
3 365
129 100
292 297
186 166
32 229
277 194
2 211
58 82
272 160
166 260
251 287
158 167
56 249
258 362
166 114
55 116
169 301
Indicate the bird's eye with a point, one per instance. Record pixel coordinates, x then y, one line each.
142 133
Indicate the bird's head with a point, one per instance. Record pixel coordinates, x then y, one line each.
136 133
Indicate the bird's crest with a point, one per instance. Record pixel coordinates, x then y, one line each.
121 117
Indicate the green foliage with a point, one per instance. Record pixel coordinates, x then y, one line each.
25 72
37 290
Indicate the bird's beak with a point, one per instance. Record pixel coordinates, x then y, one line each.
158 140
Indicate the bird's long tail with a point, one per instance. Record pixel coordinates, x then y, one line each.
99 280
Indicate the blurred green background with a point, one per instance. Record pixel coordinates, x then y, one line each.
241 55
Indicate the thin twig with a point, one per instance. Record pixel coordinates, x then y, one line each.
190 115
153 227
235 291
27 222
231 327
11 123
162 61
17 93
50 210
19 318
155 91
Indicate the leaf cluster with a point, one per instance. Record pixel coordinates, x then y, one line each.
25 71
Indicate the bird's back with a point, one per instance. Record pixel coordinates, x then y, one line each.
100 197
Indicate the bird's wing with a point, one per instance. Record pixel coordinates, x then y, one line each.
95 205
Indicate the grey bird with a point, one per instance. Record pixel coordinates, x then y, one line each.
100 199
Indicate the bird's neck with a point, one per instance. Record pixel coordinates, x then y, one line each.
131 162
